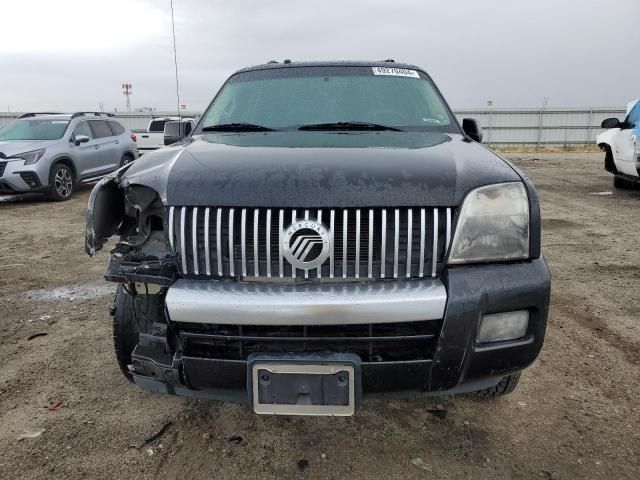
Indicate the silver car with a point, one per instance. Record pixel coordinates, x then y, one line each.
51 153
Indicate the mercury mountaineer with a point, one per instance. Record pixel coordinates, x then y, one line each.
327 232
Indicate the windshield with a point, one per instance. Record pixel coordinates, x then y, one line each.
288 98
34 129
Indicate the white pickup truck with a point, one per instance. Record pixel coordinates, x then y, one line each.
153 137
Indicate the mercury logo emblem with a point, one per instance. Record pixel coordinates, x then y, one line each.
306 244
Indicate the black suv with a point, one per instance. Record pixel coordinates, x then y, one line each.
327 232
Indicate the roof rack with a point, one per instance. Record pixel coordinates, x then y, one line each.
389 60
34 114
271 61
97 114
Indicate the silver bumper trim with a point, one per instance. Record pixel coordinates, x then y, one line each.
238 303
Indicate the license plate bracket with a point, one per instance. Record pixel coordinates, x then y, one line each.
314 384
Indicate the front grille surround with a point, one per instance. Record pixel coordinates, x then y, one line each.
368 243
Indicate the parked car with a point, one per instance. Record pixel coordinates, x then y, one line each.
52 153
621 144
328 232
153 137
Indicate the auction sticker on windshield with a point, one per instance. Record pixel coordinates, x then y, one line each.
395 72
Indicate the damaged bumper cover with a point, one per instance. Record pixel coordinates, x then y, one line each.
457 364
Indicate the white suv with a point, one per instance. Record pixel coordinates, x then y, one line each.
621 144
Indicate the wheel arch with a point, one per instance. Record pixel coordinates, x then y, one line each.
66 160
609 161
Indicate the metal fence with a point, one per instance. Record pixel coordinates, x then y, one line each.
540 127
502 127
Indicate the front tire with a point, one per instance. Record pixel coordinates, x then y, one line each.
62 181
621 182
126 159
132 314
504 387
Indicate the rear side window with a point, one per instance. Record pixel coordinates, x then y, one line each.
116 128
100 128
157 126
82 129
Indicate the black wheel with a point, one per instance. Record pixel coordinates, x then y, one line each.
62 181
621 182
131 314
504 387
126 159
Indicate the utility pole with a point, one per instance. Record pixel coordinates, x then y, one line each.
127 90
489 106
544 106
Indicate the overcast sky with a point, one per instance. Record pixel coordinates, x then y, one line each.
72 54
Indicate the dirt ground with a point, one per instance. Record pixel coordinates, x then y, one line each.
575 413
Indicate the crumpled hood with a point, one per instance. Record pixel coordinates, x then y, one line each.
9 148
317 169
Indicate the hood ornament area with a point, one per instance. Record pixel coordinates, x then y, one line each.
306 244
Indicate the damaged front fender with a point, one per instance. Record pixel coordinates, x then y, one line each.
105 211
134 213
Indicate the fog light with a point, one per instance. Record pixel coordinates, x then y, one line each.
503 326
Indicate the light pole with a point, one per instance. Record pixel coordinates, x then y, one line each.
127 90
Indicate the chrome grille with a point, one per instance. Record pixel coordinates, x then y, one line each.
368 243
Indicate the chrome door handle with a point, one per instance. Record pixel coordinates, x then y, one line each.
117 141
96 147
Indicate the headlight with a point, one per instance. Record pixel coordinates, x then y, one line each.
30 157
493 225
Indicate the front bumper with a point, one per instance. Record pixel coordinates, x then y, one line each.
451 361
17 177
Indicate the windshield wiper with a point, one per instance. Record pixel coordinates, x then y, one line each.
347 126
236 127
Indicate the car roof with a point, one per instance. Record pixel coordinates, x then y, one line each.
331 63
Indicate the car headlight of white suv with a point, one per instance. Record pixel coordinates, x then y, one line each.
493 225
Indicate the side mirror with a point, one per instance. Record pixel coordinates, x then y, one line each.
472 129
81 139
611 123
175 131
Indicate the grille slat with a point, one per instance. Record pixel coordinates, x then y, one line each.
243 237
219 241
232 258
268 243
435 241
183 243
194 241
422 235
412 246
207 246
409 235
383 248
